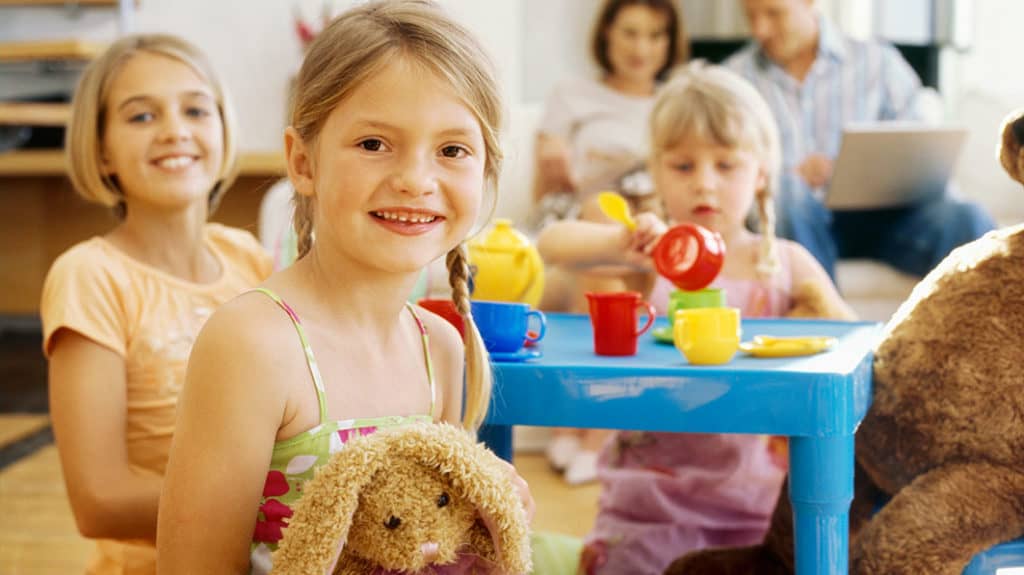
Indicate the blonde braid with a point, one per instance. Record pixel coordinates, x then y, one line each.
478 366
767 258
303 222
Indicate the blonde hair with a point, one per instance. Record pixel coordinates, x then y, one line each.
84 139
714 104
351 49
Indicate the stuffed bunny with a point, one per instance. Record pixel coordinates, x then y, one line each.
943 438
408 500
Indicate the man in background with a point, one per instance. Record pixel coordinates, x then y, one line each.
816 81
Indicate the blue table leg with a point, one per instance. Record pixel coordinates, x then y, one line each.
821 489
498 438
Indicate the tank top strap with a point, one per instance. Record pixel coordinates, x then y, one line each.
426 356
314 370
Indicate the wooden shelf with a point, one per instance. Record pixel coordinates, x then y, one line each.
49 50
61 2
51 163
34 114
261 164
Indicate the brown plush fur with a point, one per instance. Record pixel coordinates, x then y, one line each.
384 495
945 434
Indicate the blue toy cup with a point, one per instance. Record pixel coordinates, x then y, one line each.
504 325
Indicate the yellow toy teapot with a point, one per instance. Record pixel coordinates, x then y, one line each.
507 266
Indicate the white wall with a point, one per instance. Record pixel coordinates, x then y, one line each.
983 85
534 43
251 44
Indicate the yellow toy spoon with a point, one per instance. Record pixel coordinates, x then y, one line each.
615 207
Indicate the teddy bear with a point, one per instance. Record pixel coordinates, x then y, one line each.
943 442
420 499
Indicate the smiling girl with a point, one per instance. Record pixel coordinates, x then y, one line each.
392 147
152 137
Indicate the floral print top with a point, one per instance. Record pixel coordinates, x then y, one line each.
296 459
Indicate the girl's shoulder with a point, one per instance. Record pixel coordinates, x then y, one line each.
251 322
93 253
91 264
797 258
86 289
250 340
241 248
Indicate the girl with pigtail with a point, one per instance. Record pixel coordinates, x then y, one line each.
714 153
392 148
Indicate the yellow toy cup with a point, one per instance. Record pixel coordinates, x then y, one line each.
707 336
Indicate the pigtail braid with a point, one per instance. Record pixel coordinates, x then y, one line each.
478 367
303 222
767 257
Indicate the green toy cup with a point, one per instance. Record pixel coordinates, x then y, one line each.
707 297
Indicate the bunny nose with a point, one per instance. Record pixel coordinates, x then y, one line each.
429 551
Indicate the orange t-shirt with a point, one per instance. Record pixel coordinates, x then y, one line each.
151 319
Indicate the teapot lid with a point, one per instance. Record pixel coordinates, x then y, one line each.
501 235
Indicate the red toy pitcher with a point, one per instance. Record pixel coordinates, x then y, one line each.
690 256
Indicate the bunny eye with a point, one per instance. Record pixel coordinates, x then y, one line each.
392 522
443 499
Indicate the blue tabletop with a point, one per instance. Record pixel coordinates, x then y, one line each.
657 390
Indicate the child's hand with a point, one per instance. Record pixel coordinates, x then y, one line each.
641 241
816 170
522 489
554 166
649 229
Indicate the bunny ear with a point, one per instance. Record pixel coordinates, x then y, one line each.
319 526
479 476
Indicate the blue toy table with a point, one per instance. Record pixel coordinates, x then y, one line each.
817 401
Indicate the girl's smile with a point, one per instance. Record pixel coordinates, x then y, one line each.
407 221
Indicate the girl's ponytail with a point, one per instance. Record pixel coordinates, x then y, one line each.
767 257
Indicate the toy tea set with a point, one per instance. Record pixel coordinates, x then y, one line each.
703 328
508 281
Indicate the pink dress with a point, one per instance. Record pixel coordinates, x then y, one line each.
665 494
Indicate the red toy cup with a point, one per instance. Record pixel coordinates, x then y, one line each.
689 256
446 309
613 317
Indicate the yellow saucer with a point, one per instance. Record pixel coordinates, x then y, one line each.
771 346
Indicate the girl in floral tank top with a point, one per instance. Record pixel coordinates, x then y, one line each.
296 459
392 145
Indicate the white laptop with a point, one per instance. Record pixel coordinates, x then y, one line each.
892 164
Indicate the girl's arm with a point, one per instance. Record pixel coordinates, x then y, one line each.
804 268
228 416
553 172
88 411
596 248
447 354
601 248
